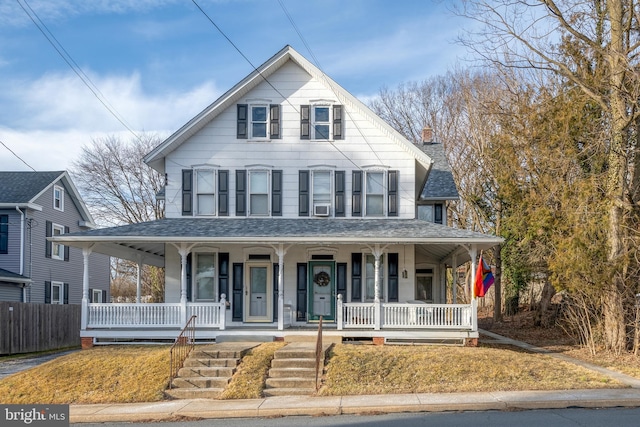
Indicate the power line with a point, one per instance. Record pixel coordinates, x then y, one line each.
59 48
18 157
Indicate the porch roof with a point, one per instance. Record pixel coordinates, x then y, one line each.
148 238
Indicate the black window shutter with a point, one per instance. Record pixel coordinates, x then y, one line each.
341 280
91 295
301 292
274 121
238 282
65 293
189 281
47 292
356 277
393 277
187 192
48 226
340 194
276 193
437 213
241 193
241 132
4 234
66 248
305 131
104 296
223 193
356 194
276 269
337 122
393 193
303 193
223 275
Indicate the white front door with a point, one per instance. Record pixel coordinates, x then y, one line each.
258 293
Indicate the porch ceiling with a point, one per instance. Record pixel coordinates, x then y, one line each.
149 238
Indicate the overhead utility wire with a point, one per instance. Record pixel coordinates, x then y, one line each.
18 157
263 76
74 66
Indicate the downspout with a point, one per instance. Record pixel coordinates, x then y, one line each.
24 285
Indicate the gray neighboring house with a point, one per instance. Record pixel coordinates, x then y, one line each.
33 207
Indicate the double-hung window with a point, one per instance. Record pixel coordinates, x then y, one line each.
205 191
57 249
205 271
375 194
259 121
58 198
57 293
321 122
259 193
322 194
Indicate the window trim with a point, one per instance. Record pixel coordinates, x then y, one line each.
60 189
330 195
96 295
250 193
383 195
314 122
60 285
60 254
197 193
267 121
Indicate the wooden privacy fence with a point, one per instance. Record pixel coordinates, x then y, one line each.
27 328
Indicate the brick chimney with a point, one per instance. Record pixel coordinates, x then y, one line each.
427 135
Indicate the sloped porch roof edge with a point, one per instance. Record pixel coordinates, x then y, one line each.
149 237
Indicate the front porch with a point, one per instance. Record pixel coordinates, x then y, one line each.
391 322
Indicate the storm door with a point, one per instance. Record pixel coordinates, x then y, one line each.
322 290
258 293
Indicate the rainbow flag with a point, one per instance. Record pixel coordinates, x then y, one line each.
484 278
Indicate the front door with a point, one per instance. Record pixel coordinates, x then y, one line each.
258 291
322 301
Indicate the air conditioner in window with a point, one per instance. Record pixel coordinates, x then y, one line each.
321 209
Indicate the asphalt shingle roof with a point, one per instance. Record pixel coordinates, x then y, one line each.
440 184
22 187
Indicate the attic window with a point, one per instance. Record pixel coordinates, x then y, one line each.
58 198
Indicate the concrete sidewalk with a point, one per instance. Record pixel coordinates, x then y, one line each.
314 406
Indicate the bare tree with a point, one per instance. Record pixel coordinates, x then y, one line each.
120 189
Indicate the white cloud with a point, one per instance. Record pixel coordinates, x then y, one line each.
50 119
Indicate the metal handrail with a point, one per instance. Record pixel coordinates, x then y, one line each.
181 348
319 352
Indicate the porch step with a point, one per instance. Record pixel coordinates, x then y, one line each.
293 370
208 370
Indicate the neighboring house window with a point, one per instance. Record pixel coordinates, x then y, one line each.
96 296
205 192
57 293
258 121
57 249
4 234
322 194
375 194
204 273
258 193
58 198
370 278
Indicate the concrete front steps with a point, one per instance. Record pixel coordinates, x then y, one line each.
208 370
293 371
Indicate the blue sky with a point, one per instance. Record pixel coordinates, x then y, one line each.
159 62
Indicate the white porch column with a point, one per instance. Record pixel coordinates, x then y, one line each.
340 312
474 301
84 314
280 252
377 254
139 280
454 275
183 250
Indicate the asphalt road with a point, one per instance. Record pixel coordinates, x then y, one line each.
12 365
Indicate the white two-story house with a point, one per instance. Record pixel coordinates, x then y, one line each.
288 200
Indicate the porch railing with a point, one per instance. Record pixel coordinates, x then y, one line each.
404 316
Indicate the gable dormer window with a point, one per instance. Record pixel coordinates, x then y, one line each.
58 198
258 121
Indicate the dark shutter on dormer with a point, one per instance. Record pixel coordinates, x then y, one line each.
274 121
241 193
187 192
66 248
393 193
337 122
276 193
305 131
48 227
241 132
356 194
303 193
223 193
340 194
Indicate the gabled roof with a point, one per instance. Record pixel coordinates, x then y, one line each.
440 184
156 156
22 189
